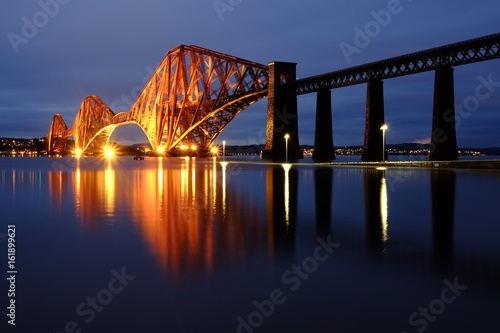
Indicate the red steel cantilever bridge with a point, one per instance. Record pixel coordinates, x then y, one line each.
194 93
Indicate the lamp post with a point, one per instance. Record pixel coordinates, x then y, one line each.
287 136
223 150
383 128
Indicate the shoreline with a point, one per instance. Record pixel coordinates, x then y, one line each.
493 165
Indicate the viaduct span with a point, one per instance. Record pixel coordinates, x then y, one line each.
195 93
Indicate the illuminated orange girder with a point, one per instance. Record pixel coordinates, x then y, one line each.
58 135
193 94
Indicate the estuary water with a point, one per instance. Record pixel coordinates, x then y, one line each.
193 245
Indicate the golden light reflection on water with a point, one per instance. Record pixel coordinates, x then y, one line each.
109 205
376 208
384 208
287 167
224 166
185 209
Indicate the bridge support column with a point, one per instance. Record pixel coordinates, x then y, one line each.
323 139
373 145
444 135
281 115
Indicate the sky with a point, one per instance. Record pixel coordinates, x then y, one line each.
54 53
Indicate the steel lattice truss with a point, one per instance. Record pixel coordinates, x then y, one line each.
191 97
93 117
470 51
58 135
194 93
92 126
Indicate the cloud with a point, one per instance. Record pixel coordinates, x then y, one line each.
424 141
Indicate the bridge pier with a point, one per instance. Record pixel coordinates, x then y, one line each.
323 138
281 115
373 144
444 135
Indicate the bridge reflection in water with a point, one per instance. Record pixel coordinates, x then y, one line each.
205 241
192 212
182 209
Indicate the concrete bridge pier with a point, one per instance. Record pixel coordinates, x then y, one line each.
281 115
444 136
323 139
373 145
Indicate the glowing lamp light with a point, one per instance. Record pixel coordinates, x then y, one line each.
214 151
223 150
193 147
287 136
109 152
78 152
383 128
183 147
160 150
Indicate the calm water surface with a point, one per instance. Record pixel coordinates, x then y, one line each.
187 245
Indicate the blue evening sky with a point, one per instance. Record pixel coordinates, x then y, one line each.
54 53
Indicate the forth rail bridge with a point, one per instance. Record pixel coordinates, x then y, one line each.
195 92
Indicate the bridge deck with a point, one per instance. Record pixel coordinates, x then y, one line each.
466 52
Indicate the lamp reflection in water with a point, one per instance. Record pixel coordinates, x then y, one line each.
109 190
287 167
376 209
78 183
281 194
224 165
214 184
384 208
160 180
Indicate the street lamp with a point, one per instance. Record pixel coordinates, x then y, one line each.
223 150
383 128
287 136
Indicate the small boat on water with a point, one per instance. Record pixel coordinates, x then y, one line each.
138 156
